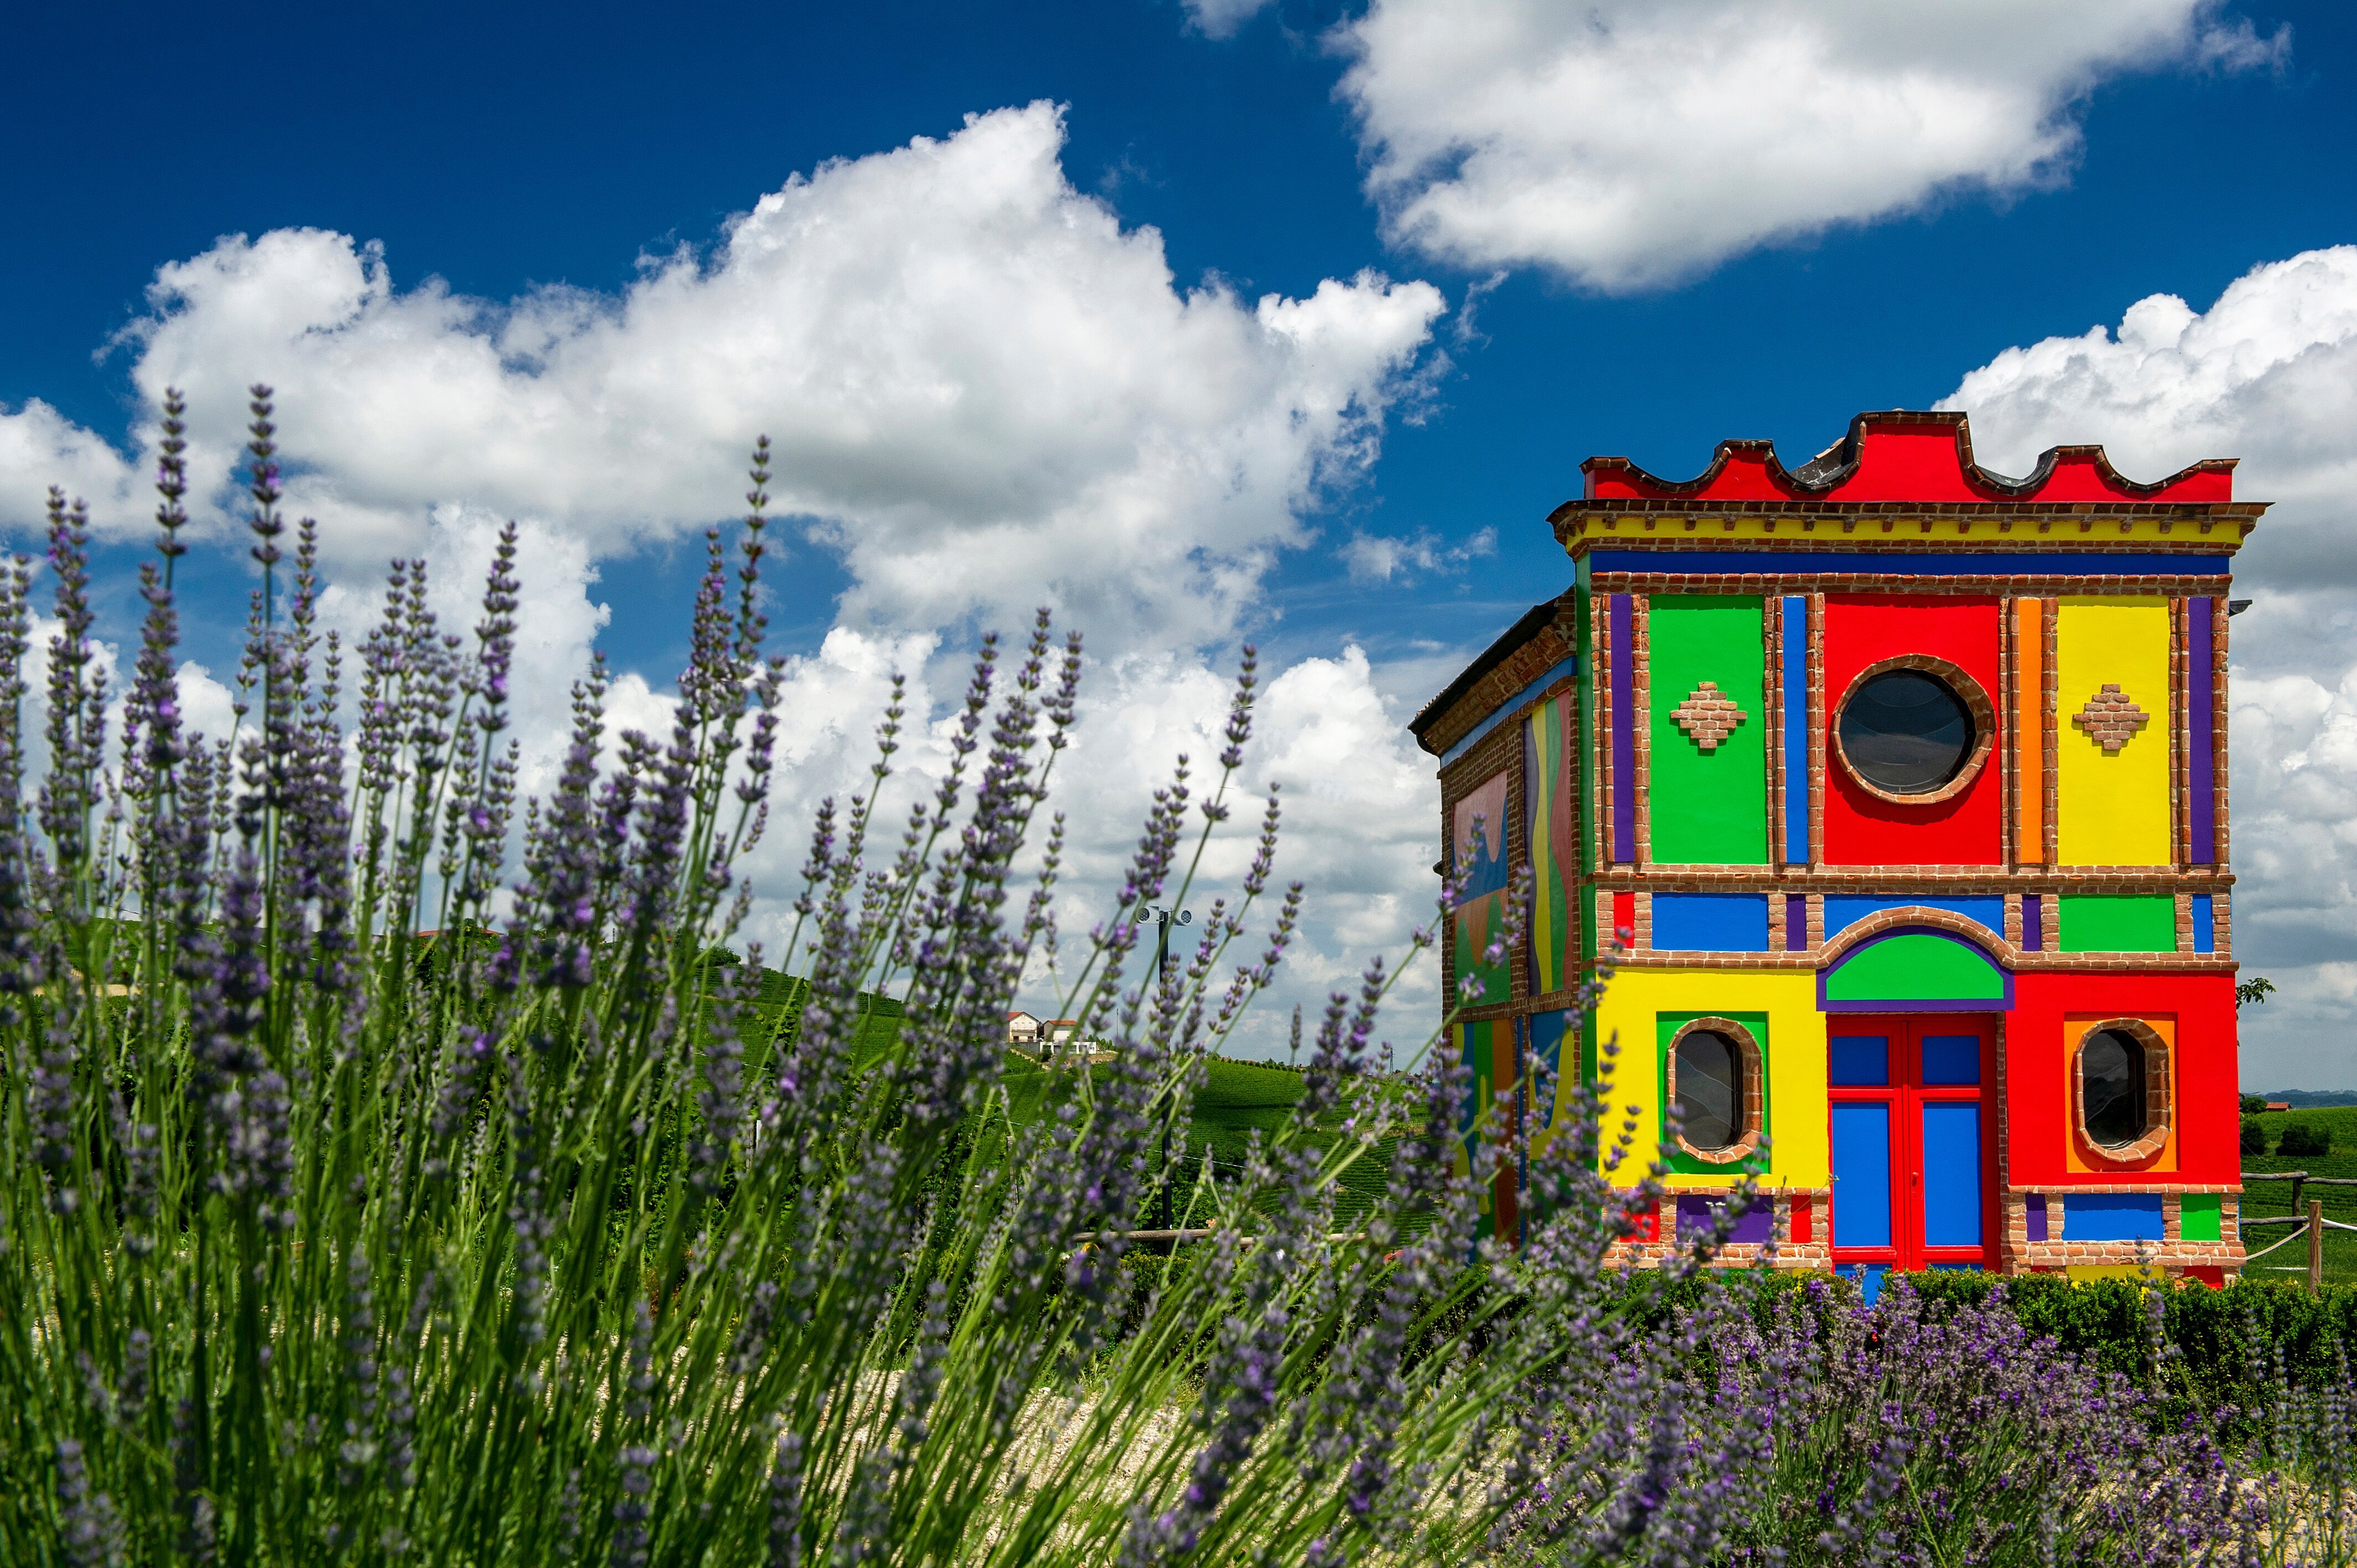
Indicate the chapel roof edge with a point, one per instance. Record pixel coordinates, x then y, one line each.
1890 456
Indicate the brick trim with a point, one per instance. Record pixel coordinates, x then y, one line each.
2159 1097
1975 700
1755 1100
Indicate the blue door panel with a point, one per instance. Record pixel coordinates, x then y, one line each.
1861 1206
1868 1277
1952 1059
1859 1061
1952 1175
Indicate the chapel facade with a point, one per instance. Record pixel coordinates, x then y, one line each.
1903 785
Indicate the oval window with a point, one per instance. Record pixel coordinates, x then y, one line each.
1710 1090
2112 1083
1906 732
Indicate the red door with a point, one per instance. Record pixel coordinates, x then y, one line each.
1913 1114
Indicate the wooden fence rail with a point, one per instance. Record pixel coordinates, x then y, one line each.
2313 1223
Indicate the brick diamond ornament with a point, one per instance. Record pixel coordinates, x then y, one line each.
2109 717
1707 715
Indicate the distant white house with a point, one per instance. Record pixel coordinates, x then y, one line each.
1048 1036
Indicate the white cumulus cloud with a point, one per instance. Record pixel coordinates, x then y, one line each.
1628 143
1222 18
982 390
2268 374
985 393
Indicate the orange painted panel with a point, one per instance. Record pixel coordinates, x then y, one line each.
2030 729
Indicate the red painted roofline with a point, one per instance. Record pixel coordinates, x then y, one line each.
1903 456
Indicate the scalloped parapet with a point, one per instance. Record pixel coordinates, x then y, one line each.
1902 456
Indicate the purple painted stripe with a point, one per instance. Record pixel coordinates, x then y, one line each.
2036 1216
1924 1004
1624 730
1796 730
1754 1225
1796 922
2200 689
2033 922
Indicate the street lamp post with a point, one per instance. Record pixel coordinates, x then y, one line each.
1163 920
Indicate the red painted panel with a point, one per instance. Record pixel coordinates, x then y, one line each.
2205 1108
1903 456
1804 1221
1865 830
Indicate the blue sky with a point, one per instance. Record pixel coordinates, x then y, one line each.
544 168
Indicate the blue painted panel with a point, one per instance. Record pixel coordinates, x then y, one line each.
1861 1208
2112 1217
1951 1059
1796 730
2206 924
1952 1175
1859 1061
1868 1277
1710 922
1992 564
1843 911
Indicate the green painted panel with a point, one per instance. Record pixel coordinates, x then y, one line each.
1916 968
1707 807
2197 1216
2118 925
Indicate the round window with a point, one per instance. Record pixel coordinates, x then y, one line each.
1906 732
2111 1080
1710 1090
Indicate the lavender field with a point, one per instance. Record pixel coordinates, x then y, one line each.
543 1238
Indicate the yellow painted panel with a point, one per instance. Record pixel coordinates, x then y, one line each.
2112 1272
1799 1155
2112 808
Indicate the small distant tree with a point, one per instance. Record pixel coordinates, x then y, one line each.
2254 1103
2300 1138
2254 1138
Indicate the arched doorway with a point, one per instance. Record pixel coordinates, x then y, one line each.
1912 1094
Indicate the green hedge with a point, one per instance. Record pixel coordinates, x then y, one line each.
2225 1339
2220 1360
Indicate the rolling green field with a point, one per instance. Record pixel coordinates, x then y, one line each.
2268 1197
1238 1099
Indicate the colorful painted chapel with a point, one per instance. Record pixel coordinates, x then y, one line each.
1903 785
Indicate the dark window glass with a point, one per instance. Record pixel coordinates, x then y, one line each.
2111 1068
1710 1090
1906 732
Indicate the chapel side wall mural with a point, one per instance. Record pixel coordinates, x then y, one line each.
1548 777
1480 843
1903 777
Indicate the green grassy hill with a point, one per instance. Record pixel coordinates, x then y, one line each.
1238 1099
